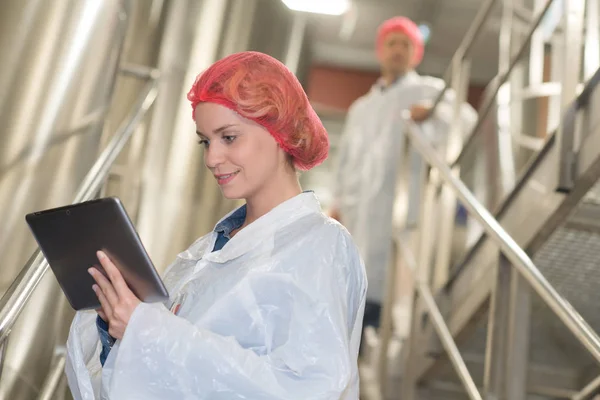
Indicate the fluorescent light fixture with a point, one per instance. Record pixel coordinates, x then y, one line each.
329 7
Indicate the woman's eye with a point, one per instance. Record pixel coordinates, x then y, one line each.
203 142
229 139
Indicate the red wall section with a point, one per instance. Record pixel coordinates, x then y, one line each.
337 88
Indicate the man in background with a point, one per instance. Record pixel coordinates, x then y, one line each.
371 147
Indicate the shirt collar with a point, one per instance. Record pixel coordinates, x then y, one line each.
382 87
234 221
264 228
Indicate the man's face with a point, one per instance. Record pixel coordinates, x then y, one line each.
395 54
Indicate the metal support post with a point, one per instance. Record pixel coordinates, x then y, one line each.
443 255
556 73
502 161
292 57
572 44
421 243
507 352
386 329
3 346
588 390
536 51
409 379
592 37
426 297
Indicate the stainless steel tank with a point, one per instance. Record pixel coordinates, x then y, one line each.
59 71
59 74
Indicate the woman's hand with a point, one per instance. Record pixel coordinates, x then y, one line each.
419 112
335 214
117 300
102 314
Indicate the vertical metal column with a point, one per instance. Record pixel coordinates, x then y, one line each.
572 43
173 170
591 60
3 346
409 385
507 350
506 122
421 241
536 50
556 68
386 329
238 28
296 41
460 82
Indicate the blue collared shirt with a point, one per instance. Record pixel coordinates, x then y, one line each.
223 230
228 225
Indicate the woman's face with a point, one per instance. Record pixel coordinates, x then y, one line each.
242 155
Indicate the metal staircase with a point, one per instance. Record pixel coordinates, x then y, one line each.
527 174
505 307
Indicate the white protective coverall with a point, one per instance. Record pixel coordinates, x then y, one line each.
369 158
275 314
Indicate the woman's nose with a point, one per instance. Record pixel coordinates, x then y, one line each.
213 156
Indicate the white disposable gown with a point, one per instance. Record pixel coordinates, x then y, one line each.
275 314
369 158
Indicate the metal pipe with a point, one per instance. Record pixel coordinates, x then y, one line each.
54 377
588 390
498 81
3 346
295 42
567 138
95 178
441 328
517 256
139 71
592 37
523 13
464 46
13 302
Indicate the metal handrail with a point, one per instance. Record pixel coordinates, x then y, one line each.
500 78
18 294
440 326
588 390
464 47
567 314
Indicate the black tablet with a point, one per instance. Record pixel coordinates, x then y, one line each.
69 238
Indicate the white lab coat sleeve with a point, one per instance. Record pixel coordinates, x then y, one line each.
163 356
342 158
83 368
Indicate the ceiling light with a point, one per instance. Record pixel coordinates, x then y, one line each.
329 7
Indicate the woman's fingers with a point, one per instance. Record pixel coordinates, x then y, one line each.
115 276
106 287
106 306
102 314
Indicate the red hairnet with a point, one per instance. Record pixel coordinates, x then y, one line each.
260 88
409 28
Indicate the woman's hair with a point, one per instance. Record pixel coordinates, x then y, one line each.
260 88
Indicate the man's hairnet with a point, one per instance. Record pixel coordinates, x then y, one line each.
410 29
260 88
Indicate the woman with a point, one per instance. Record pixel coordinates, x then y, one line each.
267 306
